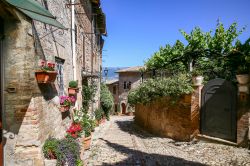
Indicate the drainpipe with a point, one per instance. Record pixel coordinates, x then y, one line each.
73 38
73 44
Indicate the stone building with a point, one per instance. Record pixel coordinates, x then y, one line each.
113 86
67 33
129 78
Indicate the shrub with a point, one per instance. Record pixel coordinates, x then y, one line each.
106 100
73 84
153 89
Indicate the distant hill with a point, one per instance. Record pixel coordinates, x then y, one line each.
111 72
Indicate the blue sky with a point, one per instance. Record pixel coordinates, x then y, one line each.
137 28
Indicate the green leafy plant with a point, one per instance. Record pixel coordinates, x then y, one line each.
107 100
196 72
153 89
50 148
98 114
88 94
73 84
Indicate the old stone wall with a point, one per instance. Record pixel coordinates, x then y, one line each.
32 110
178 120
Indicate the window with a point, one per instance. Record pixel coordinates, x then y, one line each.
114 89
75 33
125 85
129 85
59 67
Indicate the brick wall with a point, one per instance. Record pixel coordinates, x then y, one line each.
179 121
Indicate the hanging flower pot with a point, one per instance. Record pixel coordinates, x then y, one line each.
73 91
46 73
45 76
73 88
64 108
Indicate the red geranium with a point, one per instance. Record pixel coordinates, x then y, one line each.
75 130
49 66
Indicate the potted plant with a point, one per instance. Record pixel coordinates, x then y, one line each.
98 115
197 77
243 73
66 102
75 130
73 88
87 139
50 151
46 73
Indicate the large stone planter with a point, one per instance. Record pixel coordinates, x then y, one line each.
243 79
49 162
197 80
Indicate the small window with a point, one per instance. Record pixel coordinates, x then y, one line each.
114 89
75 33
129 85
59 67
125 85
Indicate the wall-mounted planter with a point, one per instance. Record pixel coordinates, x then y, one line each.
242 79
73 91
197 80
45 76
64 108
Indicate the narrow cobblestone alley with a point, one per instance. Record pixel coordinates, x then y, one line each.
123 143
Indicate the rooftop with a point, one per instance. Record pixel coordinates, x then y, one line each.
134 69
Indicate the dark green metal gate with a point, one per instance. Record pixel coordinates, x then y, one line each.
218 109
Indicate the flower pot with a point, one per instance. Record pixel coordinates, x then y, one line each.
242 78
45 76
64 108
129 113
197 80
87 142
73 91
50 162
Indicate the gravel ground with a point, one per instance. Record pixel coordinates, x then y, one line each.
121 142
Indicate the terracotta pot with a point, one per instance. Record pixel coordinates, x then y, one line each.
64 108
45 77
73 91
197 80
87 142
130 113
242 78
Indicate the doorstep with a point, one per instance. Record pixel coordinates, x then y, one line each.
215 140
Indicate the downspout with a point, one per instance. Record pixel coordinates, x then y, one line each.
92 58
73 44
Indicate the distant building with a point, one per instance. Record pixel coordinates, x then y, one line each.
129 78
113 86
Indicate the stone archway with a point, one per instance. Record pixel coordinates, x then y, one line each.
123 108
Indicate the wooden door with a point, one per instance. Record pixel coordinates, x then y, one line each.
218 111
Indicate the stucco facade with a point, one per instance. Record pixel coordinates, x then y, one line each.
30 111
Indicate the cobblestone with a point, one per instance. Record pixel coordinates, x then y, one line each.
123 143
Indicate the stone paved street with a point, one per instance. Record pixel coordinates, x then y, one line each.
121 142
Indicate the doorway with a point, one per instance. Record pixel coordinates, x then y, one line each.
218 111
123 108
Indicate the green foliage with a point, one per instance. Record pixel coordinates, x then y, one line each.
73 84
99 114
107 100
214 54
64 151
50 148
88 94
153 89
